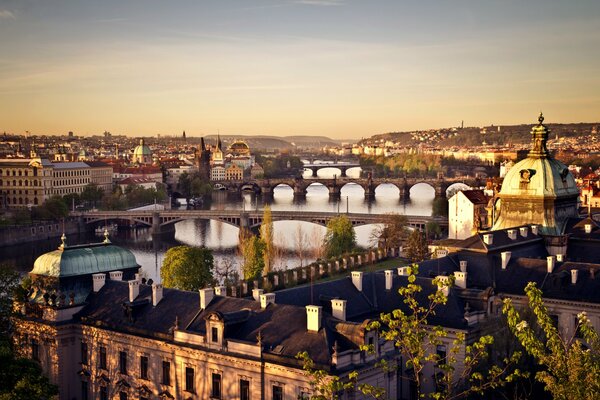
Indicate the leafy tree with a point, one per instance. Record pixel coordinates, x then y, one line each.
571 365
54 208
266 234
251 249
185 185
200 187
433 230
416 247
72 200
9 282
440 206
340 237
92 194
391 233
187 268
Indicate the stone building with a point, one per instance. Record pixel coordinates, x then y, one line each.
101 174
466 213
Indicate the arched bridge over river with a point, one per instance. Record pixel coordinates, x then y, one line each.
163 221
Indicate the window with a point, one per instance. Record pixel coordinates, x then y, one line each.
35 350
84 353
189 379
122 396
277 392
441 353
103 393
166 373
215 334
216 386
554 320
244 389
144 367
123 362
84 390
102 357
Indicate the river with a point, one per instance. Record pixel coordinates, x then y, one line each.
223 238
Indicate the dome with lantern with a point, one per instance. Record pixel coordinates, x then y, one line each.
142 154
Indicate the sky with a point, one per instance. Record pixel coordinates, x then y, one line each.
339 68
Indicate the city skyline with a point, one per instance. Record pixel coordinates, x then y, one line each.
343 69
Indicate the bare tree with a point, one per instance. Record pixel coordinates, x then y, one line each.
300 244
227 271
316 243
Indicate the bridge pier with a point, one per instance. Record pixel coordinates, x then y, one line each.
369 192
299 192
343 174
314 172
334 191
404 192
162 231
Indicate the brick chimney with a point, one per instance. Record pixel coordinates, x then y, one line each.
134 290
116 275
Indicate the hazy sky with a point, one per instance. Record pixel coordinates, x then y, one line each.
342 68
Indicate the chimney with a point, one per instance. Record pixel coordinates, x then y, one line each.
134 290
444 284
157 293
461 279
206 296
512 234
116 275
534 229
574 274
551 263
99 280
505 255
256 294
560 257
266 299
313 318
138 276
588 228
524 231
463 266
357 279
488 238
403 271
338 309
389 279
221 291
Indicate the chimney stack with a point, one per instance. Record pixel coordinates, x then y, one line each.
560 257
134 290
574 275
524 231
116 275
357 279
463 266
256 294
157 293
206 296
488 238
389 279
534 229
551 263
505 255
99 280
221 291
444 284
313 318
512 234
403 271
266 299
461 279
588 228
338 309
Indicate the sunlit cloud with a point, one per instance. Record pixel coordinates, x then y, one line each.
5 14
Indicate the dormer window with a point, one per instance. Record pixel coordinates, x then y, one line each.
214 336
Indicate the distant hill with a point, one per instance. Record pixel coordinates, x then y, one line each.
272 143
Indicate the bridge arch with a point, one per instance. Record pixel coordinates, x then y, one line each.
424 186
456 187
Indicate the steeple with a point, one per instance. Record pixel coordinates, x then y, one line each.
539 138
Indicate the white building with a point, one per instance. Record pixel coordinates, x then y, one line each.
466 213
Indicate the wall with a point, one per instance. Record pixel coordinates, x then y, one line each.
16 234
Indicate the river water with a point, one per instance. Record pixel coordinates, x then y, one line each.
297 241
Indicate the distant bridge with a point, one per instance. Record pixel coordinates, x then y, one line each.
299 185
163 221
342 166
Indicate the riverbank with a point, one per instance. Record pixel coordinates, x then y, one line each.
11 235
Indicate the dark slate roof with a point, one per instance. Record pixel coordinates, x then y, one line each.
475 196
500 241
575 227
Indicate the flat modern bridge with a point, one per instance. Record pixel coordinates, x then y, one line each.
163 221
369 185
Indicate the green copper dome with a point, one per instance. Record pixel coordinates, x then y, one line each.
84 260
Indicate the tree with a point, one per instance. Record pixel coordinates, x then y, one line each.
433 230
416 247
391 233
252 249
9 282
571 364
187 268
53 209
300 244
92 194
185 185
340 237
72 200
440 207
266 234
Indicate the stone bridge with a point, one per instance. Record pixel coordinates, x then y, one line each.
299 185
164 221
342 166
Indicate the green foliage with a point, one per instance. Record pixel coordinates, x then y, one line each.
187 268
571 365
92 194
185 185
340 237
433 230
266 234
440 207
53 208
416 247
134 196
9 282
22 379
403 164
391 233
276 167
252 251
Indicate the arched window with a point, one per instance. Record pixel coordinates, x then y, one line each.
20 182
26 183
14 182
20 200
20 172
8 200
14 200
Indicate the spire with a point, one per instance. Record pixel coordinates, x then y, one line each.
63 240
539 137
106 239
